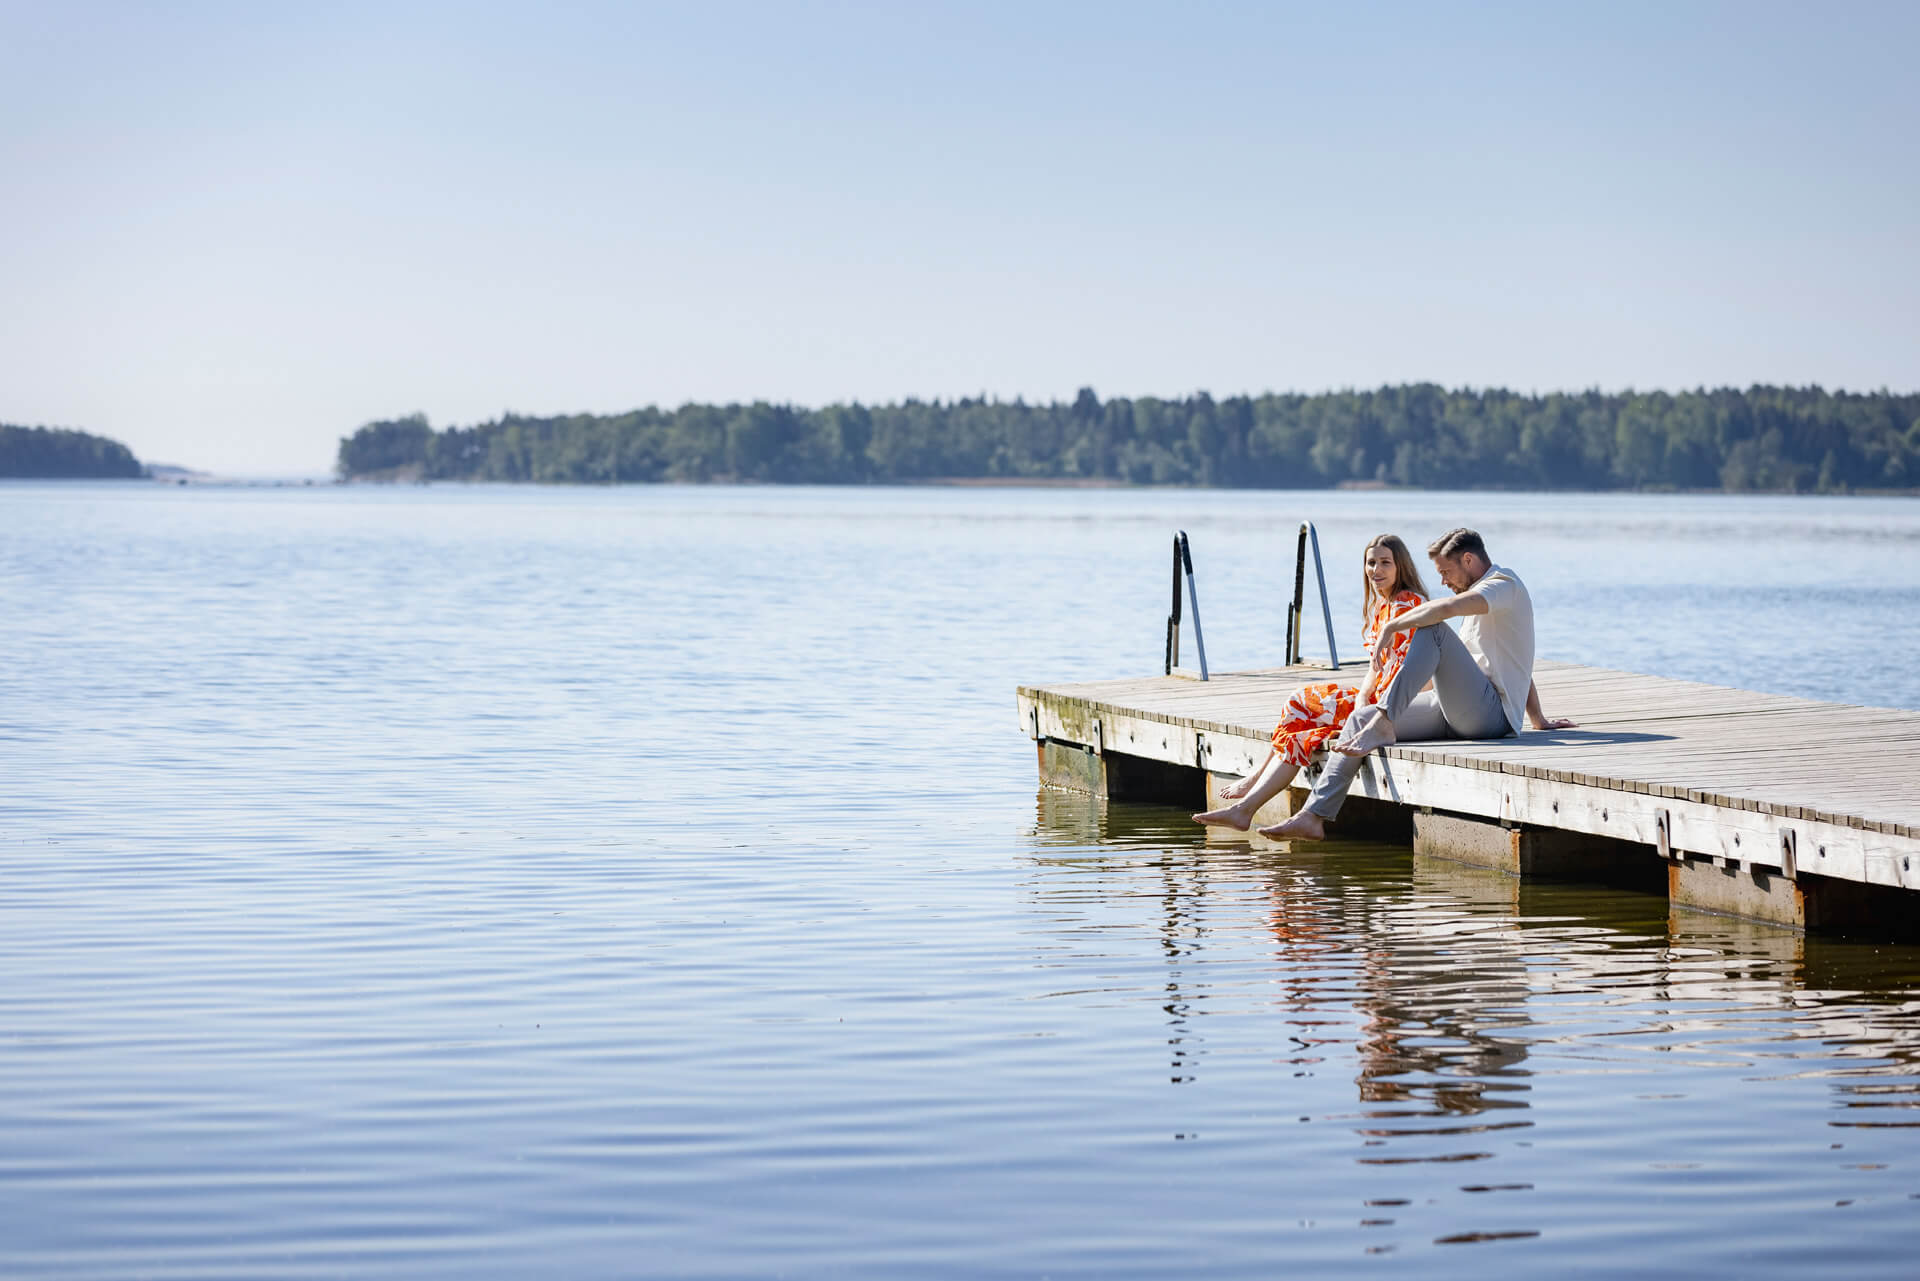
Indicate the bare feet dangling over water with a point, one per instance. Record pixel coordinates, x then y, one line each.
1233 816
1304 826
1237 788
1366 730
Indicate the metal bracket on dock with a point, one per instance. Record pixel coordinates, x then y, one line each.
1790 854
1295 614
1663 833
1183 565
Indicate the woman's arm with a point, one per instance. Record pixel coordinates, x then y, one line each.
1538 717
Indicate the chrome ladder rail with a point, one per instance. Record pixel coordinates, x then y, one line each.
1296 610
1183 568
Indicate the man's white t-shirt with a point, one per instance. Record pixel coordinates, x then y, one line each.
1501 640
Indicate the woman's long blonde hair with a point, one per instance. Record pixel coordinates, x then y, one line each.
1406 575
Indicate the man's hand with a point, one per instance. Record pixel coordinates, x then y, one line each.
1537 715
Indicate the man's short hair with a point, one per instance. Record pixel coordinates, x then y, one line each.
1455 542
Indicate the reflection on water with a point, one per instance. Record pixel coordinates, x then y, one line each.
1532 1046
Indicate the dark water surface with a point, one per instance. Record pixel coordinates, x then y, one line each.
471 882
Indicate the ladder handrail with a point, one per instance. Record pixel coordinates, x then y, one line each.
1296 610
1183 564
1326 610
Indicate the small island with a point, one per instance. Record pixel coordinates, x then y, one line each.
52 453
1761 439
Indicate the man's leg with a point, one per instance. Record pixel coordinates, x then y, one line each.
1329 790
1419 719
1384 724
1422 721
1467 698
1421 664
1463 704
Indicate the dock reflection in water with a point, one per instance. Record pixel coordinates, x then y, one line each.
1513 1059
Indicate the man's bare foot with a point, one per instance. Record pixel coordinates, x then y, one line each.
1226 816
1236 789
1304 826
1366 730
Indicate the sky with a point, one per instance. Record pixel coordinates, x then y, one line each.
233 233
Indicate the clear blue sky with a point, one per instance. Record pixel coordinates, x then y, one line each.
234 232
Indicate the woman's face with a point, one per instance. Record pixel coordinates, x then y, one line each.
1380 570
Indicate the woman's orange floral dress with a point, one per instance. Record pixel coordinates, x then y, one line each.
1316 714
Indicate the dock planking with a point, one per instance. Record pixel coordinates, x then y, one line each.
1782 789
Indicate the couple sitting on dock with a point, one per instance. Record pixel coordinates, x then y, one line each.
1480 680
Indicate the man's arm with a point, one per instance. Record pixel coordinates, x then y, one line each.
1537 717
1434 611
1438 611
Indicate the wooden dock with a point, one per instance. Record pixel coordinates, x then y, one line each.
1760 805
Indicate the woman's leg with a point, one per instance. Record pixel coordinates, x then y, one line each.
1240 786
1267 784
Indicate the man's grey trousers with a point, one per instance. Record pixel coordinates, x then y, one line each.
1462 704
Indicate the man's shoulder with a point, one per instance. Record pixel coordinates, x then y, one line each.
1499 584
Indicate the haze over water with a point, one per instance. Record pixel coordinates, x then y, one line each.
465 882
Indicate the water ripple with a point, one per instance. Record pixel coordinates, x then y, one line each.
470 882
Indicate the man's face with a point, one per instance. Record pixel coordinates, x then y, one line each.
1455 572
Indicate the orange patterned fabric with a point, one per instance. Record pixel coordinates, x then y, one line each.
1316 714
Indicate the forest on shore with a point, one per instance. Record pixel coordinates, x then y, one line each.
54 453
1801 440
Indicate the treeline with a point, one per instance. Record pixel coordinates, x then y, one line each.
1763 438
51 453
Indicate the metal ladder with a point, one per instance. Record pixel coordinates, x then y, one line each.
1183 569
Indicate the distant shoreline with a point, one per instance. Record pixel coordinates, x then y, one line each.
1081 483
1757 439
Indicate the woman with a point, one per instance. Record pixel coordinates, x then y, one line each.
1317 713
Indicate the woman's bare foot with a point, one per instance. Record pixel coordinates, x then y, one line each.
1304 826
1236 789
1226 816
1366 730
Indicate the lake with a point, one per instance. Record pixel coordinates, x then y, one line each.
473 881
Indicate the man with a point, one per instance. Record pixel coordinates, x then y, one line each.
1482 678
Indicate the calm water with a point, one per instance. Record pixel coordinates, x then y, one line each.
653 882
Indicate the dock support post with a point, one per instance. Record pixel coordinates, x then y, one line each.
1757 893
1118 776
1529 851
1802 901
